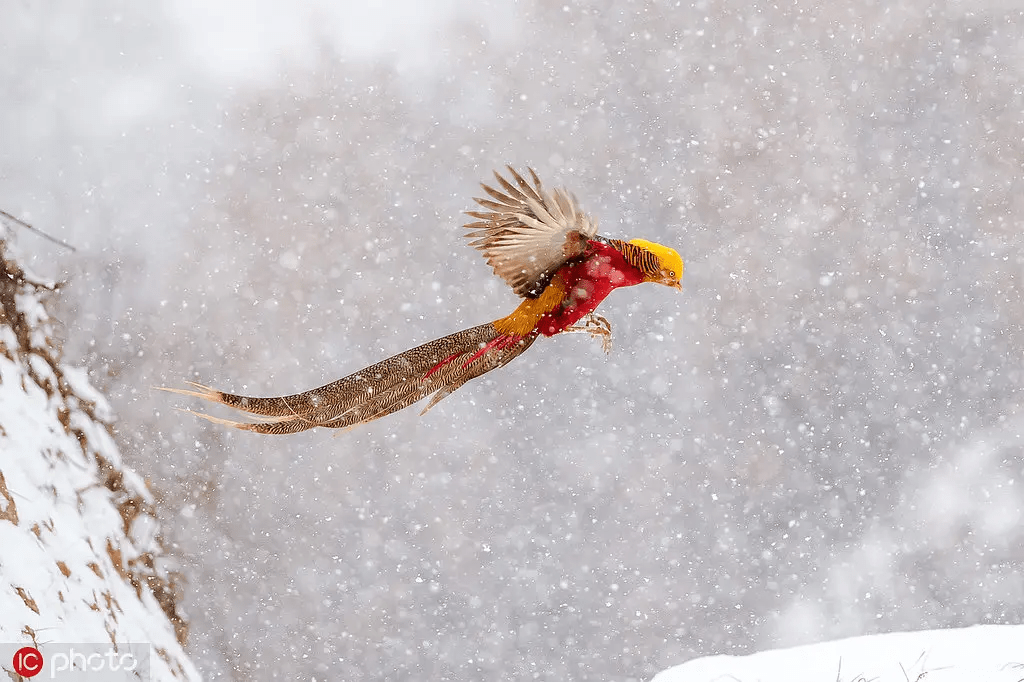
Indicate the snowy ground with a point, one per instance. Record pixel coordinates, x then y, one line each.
991 653
81 561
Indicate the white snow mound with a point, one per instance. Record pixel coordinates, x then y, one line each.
81 561
984 653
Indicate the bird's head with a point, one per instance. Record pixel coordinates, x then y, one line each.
667 265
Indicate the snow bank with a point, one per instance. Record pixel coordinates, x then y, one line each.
986 653
81 560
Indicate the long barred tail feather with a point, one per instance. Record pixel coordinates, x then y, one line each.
439 367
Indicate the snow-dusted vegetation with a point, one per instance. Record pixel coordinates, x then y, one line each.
81 556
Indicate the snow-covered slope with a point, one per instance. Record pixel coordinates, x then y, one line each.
986 653
81 561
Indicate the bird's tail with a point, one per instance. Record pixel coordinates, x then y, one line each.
439 368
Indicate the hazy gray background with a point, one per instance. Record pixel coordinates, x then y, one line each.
822 436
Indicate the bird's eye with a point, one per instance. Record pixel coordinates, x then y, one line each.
671 273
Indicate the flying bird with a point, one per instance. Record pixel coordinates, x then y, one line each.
546 248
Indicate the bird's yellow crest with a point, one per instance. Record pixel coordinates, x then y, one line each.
669 260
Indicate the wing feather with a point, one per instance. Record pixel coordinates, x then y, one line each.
527 232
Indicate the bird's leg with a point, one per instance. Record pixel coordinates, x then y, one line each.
596 326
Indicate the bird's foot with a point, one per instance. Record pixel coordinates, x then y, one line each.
598 327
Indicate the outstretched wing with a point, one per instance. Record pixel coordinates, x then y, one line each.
527 233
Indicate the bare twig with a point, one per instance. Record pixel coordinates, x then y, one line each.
22 223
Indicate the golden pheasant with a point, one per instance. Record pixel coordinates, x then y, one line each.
546 248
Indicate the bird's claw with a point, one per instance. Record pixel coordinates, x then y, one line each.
598 327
